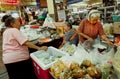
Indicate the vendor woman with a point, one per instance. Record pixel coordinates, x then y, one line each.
90 28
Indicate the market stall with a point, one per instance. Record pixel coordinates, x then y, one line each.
83 63
91 60
44 35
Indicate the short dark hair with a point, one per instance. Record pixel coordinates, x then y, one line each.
68 24
4 18
8 21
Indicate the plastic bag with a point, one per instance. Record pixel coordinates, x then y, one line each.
105 58
49 22
88 45
95 56
67 60
116 62
81 54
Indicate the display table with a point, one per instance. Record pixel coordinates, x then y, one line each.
43 36
54 42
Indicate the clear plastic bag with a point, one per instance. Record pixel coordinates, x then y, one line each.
116 62
88 45
105 58
81 54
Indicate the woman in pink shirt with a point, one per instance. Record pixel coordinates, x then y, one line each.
15 51
90 28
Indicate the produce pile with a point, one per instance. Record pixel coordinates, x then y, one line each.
84 71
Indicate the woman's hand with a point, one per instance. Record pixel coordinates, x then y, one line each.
43 48
106 40
109 43
90 39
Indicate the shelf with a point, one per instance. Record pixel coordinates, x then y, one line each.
106 7
110 7
108 10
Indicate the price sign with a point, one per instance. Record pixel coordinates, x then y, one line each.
9 2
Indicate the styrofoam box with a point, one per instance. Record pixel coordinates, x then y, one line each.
40 73
41 69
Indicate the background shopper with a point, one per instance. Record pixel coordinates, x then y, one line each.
15 51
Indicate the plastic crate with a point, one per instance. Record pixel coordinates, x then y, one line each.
116 18
41 69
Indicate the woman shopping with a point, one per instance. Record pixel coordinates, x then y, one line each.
15 51
90 28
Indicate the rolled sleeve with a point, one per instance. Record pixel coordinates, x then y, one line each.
19 37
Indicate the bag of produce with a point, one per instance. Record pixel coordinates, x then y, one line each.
81 54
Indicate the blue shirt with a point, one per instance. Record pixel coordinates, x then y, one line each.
68 35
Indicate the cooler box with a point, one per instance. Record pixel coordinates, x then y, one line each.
42 61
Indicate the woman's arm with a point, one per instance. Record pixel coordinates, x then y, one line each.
81 28
22 40
103 36
73 36
31 45
85 36
106 39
